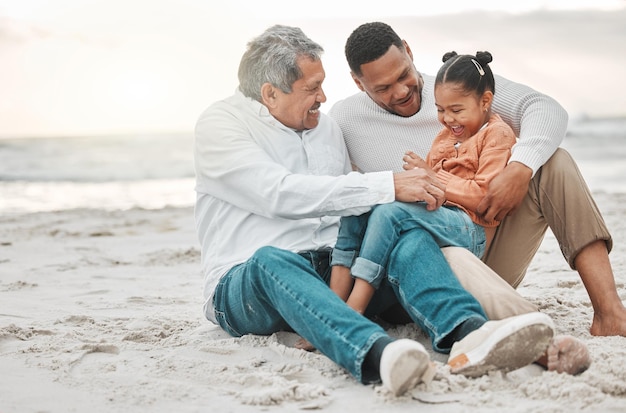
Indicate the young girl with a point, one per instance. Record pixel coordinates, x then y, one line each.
473 147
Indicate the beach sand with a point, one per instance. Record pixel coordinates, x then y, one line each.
100 311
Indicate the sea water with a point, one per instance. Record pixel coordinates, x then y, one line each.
156 170
109 172
599 148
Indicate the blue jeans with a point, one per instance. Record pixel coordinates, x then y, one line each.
365 242
278 290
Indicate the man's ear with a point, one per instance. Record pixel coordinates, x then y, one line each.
357 81
408 49
268 95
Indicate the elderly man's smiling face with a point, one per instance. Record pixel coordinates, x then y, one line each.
299 109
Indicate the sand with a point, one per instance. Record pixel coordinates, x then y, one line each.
100 311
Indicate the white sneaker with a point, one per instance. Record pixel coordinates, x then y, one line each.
403 365
503 345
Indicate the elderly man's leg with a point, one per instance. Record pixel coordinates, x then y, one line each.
277 290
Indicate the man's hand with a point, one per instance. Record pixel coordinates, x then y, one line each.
505 192
418 185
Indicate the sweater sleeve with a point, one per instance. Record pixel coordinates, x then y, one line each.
539 121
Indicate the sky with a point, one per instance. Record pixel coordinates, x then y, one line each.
94 67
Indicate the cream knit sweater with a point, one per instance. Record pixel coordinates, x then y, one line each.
377 139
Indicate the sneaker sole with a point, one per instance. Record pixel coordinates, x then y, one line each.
505 350
407 369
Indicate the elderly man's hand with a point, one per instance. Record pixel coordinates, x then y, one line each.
418 184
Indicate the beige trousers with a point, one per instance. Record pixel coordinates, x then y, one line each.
559 198
496 296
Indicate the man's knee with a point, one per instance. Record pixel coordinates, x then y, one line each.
270 257
560 156
279 260
268 253
561 162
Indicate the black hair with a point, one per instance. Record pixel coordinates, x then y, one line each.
473 72
369 42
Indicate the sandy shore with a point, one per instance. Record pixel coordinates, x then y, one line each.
101 312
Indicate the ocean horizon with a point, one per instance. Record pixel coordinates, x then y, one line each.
156 170
106 171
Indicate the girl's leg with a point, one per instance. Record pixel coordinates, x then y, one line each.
346 249
351 231
446 226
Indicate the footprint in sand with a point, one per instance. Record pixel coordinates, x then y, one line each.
95 359
569 283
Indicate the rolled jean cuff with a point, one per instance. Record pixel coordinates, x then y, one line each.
368 271
343 258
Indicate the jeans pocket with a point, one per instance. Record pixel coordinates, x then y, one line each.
221 320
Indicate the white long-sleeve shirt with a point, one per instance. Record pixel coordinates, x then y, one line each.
260 183
377 139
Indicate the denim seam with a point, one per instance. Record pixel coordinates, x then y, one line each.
324 321
411 309
361 354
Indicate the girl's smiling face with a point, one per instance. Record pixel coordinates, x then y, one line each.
462 112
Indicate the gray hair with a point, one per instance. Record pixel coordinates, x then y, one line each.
273 57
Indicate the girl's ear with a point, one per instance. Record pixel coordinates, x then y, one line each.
486 100
268 95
